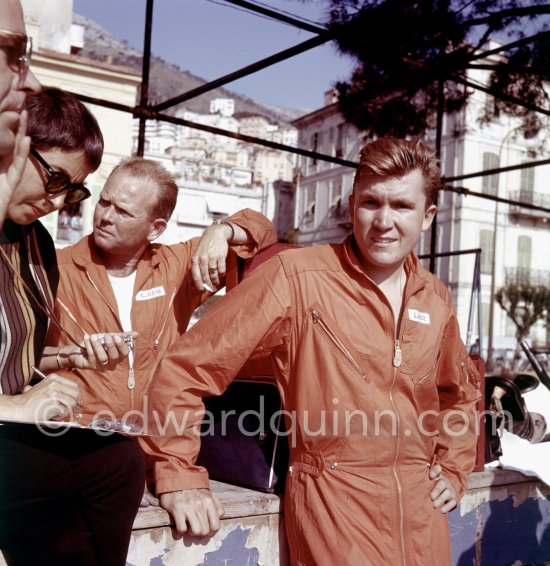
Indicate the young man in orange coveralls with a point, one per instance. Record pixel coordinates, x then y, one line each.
379 390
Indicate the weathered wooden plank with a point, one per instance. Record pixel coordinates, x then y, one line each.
237 502
246 541
497 476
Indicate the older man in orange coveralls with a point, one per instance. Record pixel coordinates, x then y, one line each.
379 389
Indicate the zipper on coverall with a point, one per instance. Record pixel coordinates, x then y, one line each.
396 362
131 382
157 340
317 319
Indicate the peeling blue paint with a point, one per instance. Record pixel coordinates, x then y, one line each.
155 561
508 534
159 560
233 551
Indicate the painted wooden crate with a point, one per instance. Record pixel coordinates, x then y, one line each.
252 534
502 520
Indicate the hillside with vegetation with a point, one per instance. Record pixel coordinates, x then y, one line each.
167 80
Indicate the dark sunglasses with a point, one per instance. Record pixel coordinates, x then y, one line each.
59 182
18 47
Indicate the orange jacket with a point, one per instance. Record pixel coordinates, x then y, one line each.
86 304
363 402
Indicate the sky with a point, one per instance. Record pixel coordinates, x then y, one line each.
211 38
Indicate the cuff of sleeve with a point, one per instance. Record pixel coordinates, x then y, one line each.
192 478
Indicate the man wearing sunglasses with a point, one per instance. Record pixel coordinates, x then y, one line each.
16 81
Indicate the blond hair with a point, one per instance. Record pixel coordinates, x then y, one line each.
392 157
158 176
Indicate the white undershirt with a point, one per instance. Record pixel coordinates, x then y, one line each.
123 288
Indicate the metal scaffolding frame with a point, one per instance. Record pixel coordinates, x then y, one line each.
145 111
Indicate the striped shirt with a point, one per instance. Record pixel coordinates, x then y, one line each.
23 324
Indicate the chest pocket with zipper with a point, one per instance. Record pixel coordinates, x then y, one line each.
420 345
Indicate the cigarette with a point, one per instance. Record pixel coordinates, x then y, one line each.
38 372
207 288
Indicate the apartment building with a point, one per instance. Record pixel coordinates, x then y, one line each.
514 240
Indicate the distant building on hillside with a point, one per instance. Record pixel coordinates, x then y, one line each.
218 175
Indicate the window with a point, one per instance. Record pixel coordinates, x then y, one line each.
335 191
335 196
486 245
309 204
524 252
314 146
330 148
491 107
340 142
527 184
489 184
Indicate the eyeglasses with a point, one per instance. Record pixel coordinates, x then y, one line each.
59 182
18 47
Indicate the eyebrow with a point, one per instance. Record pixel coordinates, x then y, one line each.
403 200
392 200
110 201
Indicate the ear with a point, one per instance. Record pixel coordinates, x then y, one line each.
351 202
428 217
157 228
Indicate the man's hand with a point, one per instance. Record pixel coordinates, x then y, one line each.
101 351
12 166
208 262
443 494
195 511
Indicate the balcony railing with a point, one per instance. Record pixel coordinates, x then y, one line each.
529 197
526 275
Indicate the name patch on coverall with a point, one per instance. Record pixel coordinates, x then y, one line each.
151 294
417 316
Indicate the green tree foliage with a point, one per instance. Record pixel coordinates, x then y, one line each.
409 53
525 304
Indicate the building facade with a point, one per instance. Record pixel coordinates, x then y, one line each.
514 240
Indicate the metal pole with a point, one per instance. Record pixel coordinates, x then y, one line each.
438 136
473 297
479 321
144 98
490 331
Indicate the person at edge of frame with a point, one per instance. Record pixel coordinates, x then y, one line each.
16 82
59 487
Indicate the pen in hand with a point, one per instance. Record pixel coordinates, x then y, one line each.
77 407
